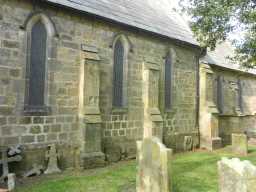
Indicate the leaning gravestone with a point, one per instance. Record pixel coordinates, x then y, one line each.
52 156
240 144
153 166
236 176
35 171
188 143
5 160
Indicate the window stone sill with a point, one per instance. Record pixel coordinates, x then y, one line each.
37 110
120 110
170 111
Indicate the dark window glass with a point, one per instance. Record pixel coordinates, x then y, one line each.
118 75
220 100
240 95
168 82
37 65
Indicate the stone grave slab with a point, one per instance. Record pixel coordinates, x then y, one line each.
35 171
236 175
154 169
240 144
188 143
52 157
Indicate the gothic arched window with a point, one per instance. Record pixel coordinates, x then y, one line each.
168 81
220 98
40 44
240 95
119 73
37 65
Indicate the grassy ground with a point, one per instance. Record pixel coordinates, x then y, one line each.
192 172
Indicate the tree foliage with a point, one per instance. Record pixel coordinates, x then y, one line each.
214 20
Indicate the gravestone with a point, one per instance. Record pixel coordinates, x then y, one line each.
11 181
14 150
240 144
236 176
154 170
35 171
5 160
52 157
77 155
188 143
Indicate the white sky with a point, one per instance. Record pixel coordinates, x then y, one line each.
175 3
237 35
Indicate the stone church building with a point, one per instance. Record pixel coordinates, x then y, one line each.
227 98
83 73
92 76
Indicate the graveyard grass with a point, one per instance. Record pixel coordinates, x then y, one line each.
192 172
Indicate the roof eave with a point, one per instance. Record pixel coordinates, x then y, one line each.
230 69
178 41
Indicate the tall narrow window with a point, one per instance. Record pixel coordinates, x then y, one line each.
168 82
240 95
118 76
40 45
37 66
220 100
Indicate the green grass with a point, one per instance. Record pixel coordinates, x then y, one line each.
192 172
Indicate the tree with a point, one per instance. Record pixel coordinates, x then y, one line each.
213 20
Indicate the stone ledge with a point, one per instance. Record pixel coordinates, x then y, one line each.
119 110
89 48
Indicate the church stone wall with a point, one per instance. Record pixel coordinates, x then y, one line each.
34 133
120 128
233 119
181 120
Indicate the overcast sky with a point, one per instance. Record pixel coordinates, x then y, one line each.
175 3
234 36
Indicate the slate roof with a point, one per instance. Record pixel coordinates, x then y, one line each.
220 57
155 16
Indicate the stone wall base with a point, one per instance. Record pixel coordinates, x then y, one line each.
93 160
211 144
251 134
36 155
226 139
176 141
117 149
216 143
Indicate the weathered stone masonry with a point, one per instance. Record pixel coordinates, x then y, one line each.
227 99
81 104
234 119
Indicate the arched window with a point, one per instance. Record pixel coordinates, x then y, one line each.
120 72
37 65
40 44
220 98
168 81
240 95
